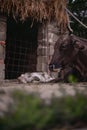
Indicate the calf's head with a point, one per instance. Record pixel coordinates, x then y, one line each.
65 53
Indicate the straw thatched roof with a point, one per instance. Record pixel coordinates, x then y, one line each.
37 9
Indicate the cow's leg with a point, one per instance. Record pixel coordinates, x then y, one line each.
65 74
73 75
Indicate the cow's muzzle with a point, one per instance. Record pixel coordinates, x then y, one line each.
55 68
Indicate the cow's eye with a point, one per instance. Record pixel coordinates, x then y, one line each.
63 46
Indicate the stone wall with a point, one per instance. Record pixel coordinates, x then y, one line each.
46 91
47 36
69 113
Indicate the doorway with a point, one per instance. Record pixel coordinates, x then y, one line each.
21 48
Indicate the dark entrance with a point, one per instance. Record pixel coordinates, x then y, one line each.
21 48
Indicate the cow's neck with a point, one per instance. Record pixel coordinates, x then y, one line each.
81 64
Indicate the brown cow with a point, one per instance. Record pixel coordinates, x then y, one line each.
70 56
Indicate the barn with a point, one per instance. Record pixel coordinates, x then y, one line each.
28 32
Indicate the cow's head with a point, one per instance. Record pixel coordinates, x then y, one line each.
65 52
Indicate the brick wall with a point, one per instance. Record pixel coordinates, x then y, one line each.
2 46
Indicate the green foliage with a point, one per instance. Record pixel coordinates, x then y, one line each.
70 109
31 113
79 9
